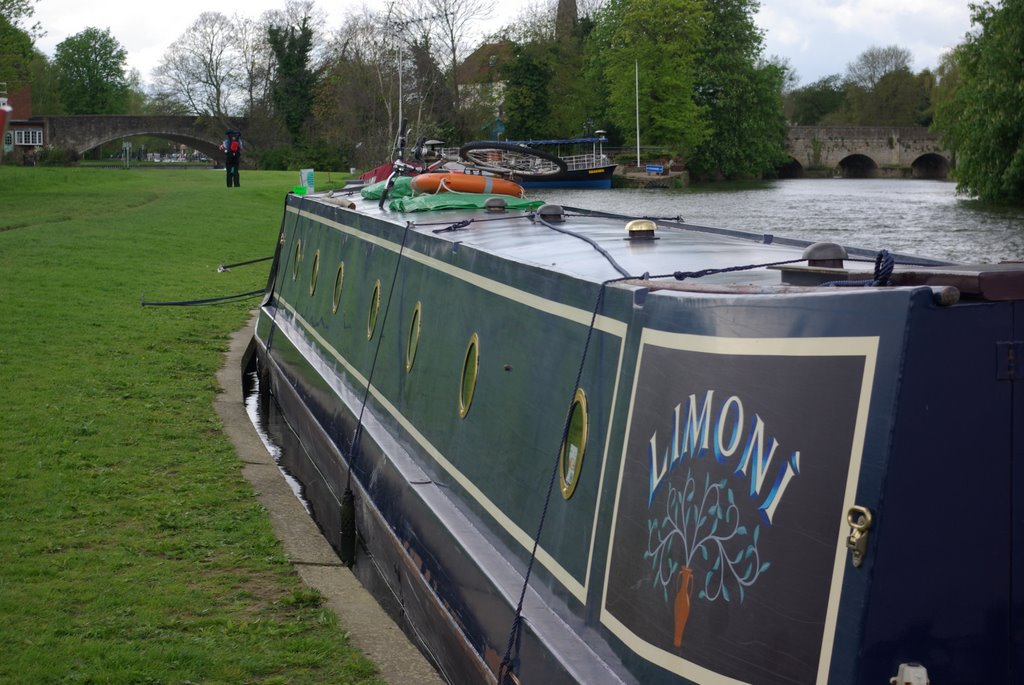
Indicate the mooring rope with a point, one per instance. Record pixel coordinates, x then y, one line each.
884 265
347 541
506 661
224 299
226 267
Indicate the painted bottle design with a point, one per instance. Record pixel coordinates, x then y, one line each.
684 589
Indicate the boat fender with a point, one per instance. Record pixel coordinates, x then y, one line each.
347 541
495 205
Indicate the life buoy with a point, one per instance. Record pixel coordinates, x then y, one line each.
465 183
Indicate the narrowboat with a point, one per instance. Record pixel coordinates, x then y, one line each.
566 446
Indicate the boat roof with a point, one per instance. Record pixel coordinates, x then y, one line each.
595 246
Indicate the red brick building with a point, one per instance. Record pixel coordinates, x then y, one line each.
24 134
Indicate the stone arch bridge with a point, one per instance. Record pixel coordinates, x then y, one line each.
866 151
82 133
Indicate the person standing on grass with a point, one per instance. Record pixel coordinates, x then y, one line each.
232 149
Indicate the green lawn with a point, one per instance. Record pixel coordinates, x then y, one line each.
131 548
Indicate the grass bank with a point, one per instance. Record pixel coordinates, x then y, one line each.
131 549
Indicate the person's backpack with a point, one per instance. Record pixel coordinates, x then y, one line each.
235 146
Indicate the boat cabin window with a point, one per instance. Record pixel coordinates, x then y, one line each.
470 370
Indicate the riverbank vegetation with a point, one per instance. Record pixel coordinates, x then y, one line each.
132 550
690 77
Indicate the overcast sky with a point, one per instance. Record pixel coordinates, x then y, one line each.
818 37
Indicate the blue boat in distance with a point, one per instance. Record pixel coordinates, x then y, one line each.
554 163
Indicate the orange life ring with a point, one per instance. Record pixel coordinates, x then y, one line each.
465 183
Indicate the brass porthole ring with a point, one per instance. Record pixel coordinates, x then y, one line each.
470 371
414 337
296 259
339 280
314 272
371 318
570 458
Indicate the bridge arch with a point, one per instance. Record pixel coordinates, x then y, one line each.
857 165
931 165
85 132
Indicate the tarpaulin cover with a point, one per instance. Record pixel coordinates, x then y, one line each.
427 203
402 188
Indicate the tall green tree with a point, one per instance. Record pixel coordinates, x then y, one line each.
18 13
92 73
741 94
16 54
808 105
659 40
983 121
875 62
527 106
45 86
294 83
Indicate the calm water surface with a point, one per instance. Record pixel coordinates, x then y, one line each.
924 218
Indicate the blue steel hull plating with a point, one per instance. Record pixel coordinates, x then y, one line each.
698 531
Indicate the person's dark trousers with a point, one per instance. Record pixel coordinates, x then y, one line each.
232 175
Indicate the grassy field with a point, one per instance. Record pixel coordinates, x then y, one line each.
131 548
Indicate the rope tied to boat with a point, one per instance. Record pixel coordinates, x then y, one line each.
884 265
506 665
454 227
683 275
347 542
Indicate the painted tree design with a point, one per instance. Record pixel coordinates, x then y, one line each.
707 525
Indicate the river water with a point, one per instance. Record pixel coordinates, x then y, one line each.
918 217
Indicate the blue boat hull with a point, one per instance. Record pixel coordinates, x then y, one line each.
598 177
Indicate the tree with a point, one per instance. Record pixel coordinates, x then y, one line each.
294 83
91 67
45 86
200 70
17 12
875 62
527 107
660 40
357 90
983 121
255 61
16 53
741 94
807 106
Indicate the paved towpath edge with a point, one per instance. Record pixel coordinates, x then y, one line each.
369 626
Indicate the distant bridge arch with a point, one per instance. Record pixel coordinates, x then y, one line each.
82 133
860 151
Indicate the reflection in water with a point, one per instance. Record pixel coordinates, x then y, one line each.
924 218
271 427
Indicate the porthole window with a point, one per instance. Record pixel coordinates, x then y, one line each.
314 272
296 259
414 337
470 370
339 280
371 318
570 459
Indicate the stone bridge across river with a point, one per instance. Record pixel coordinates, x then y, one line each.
866 151
82 133
850 151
